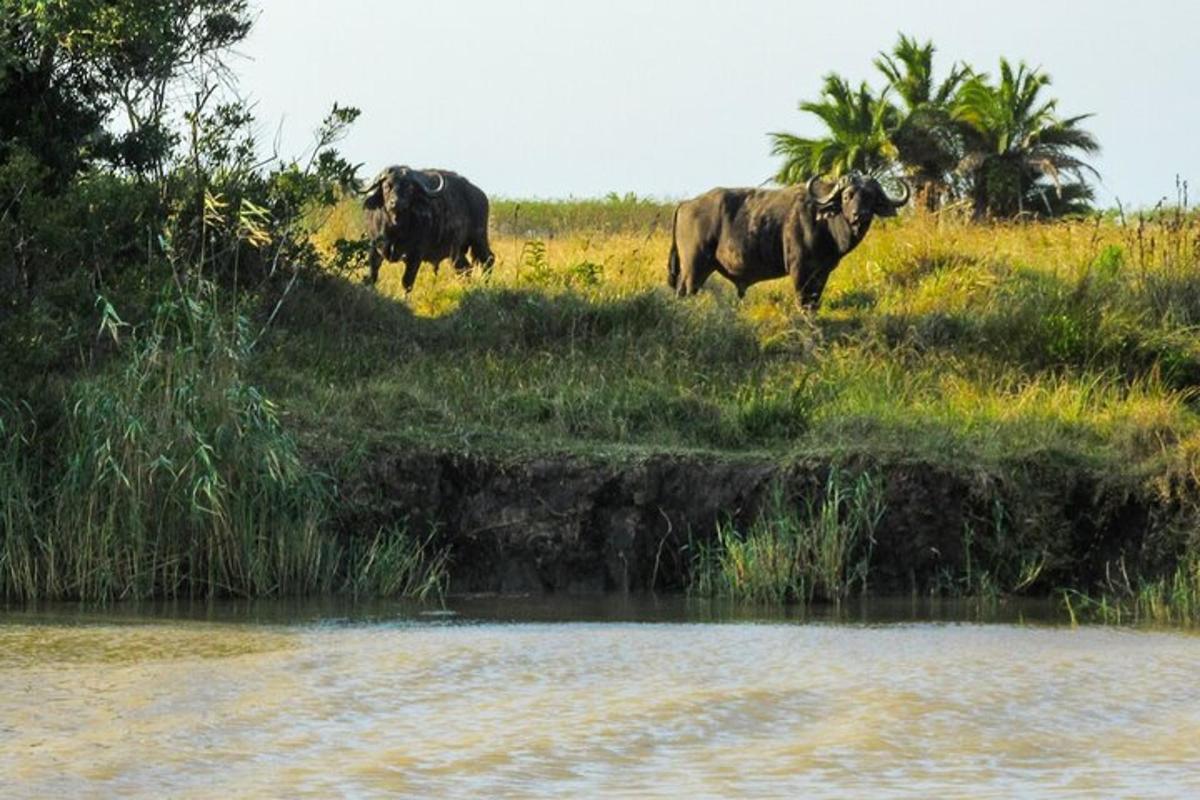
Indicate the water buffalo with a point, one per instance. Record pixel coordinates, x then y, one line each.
426 215
752 235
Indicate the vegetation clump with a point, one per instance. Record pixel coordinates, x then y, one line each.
815 550
999 146
140 270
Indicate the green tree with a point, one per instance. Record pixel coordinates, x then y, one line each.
926 138
68 67
859 125
1002 145
123 165
1021 157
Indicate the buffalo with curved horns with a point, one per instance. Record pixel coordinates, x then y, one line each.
752 235
426 215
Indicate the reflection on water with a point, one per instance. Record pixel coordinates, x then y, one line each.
599 697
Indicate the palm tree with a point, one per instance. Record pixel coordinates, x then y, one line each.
927 139
1020 156
858 139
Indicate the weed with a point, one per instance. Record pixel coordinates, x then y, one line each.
396 563
821 551
1173 599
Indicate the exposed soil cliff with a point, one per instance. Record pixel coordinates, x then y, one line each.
576 524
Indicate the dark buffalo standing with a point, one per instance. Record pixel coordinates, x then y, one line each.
752 235
426 215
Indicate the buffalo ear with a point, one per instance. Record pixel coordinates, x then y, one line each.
884 207
374 199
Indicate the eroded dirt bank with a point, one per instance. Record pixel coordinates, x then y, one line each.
569 523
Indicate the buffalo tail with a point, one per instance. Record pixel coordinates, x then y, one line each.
673 258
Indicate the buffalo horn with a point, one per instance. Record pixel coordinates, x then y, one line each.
810 187
422 179
904 199
375 184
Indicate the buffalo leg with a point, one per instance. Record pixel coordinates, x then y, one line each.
373 262
410 274
481 253
461 264
809 288
694 271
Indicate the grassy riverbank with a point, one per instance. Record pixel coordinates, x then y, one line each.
1024 358
1026 361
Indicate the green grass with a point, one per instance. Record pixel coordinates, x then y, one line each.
942 339
634 367
395 563
614 213
175 476
1028 359
796 551
1173 599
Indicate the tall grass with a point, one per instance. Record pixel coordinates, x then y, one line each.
19 511
943 339
1173 599
179 478
394 563
818 550
614 213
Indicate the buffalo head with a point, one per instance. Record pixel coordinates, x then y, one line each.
396 189
857 198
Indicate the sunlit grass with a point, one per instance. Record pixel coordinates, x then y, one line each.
937 336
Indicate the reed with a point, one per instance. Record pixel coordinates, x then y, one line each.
179 478
1172 599
816 550
395 563
19 507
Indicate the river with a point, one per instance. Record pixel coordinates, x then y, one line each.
619 697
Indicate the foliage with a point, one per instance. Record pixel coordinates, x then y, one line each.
1019 152
158 468
212 211
68 66
926 136
821 551
859 123
228 219
999 144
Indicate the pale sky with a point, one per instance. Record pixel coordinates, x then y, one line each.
557 98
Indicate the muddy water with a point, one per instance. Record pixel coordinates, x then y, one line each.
486 703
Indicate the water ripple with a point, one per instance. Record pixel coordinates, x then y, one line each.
552 710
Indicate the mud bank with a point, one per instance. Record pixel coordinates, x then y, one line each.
567 523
